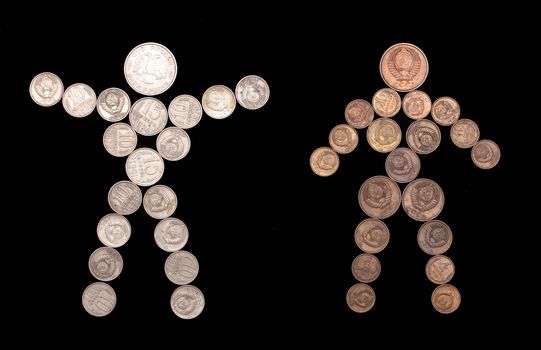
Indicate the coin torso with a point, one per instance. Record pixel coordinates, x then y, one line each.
359 113
446 298
372 235
113 104
445 111
252 92
386 102
181 267
144 166
105 264
324 161
79 100
114 230
384 135
218 102
403 165
99 299
416 104
343 138
465 133
119 139
171 234
440 269
187 302
379 197
423 136
404 67
148 116
361 298
173 143
366 268
46 89
160 201
485 154
185 111
434 237
125 197
423 199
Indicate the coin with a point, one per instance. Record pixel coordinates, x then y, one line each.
144 166
171 234
150 68
423 136
386 102
99 299
181 267
416 104
423 199
372 235
446 298
383 135
324 161
105 264
114 230
218 102
361 297
46 89
173 143
440 269
434 237
148 116
79 100
185 111
379 197
366 268
465 133
252 92
119 139
125 197
160 201
445 111
187 302
113 104
402 165
404 67
343 138
485 154
359 113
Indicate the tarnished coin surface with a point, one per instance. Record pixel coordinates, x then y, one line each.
343 138
113 104
187 302
324 161
79 100
366 268
446 298
423 199
181 267
445 111
440 269
173 143
125 197
379 197
361 298
404 67
99 299
372 235
218 102
465 133
386 102
359 113
105 264
416 104
384 135
402 165
185 111
252 92
144 166
423 136
46 89
171 234
148 116
114 230
485 154
160 201
434 237
119 139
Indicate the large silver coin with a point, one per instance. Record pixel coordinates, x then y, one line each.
171 234
218 102
105 264
113 104
79 100
125 197
46 89
252 92
119 139
148 116
144 166
185 111
173 143
160 201
150 68
99 299
181 267
114 230
187 302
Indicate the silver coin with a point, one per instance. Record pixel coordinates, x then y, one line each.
144 166
173 143
434 237
150 68
148 116
181 267
99 299
114 230
105 264
125 197
160 201
252 92
218 102
402 165
46 89
187 302
119 139
171 234
185 111
79 100
113 104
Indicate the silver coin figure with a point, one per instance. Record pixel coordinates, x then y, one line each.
252 92
171 234
46 89
99 299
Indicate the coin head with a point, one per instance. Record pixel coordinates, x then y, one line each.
386 102
383 135
359 113
402 165
171 234
119 139
148 116
173 143
416 104
446 298
445 111
423 136
423 199
379 197
361 298
113 104
372 236
187 302
440 269
324 161
434 237
465 133
114 230
485 154
366 268
218 102
99 299
403 67
343 138
160 201
46 89
252 92
144 166
125 197
105 264
185 111
181 267
79 100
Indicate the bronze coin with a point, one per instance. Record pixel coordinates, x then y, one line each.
402 165
423 199
446 298
372 235
423 136
384 135
465 133
324 161
445 111
434 237
359 113
485 154
379 197
386 102
404 67
440 269
343 138
366 268
361 298
416 104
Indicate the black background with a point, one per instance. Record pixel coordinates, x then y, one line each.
274 241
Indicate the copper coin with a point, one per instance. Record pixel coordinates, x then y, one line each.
416 104
379 197
423 136
384 135
361 297
465 133
366 268
343 138
423 199
440 269
359 113
404 67
445 111
372 235
446 298
402 165
386 102
324 161
485 154
434 237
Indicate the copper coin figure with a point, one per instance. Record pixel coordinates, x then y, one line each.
485 154
372 235
324 161
434 237
465 133
446 298
343 138
416 104
404 67
359 113
423 199
386 102
384 135
445 111
366 268
402 165
423 136
361 298
440 269
379 197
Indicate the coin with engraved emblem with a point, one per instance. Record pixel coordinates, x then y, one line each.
384 135
160 201
446 298
324 161
79 100
434 237
150 68
218 102
386 102
379 197
173 143
114 230
125 197
113 104
416 104
148 116
445 111
46 89
99 299
485 154
252 92
423 136
144 166
361 298
359 113
105 264
185 111
181 267
119 139
404 67
343 138
465 133
440 269
423 199
187 302
372 235
402 165
171 234
366 268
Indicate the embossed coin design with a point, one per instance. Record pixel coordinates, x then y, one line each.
187 302
79 100
440 269
114 230
119 139
252 92
125 197
361 298
160 201
423 136
218 102
181 267
366 268
324 161
402 165
445 111
386 102
148 116
423 199
113 104
105 264
383 135
46 89
485 154
446 298
173 143
379 197
416 105
144 166
185 111
343 138
99 299
359 113
404 67
171 234
372 235
465 133
434 237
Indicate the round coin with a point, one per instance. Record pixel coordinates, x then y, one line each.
384 135
171 234
181 267
185 111
113 230
404 67
252 92
148 116
402 165
46 89
343 138
445 111
379 197
359 113
423 199
465 133
79 100
173 143
144 166
434 237
160 201
99 299
105 264
386 102
416 104
218 102
372 235
423 136
187 302
440 269
446 298
366 268
119 139
361 298
125 197
113 104
324 161
485 154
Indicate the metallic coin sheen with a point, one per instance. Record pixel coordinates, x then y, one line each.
187 302
379 197
144 166
359 113
445 111
384 135
402 165
79 100
99 299
113 104
361 298
173 143
114 230
440 269
446 298
252 92
181 267
485 154
160 201
171 234
46 89
324 161
404 67
148 116
366 268
386 102
218 102
343 138
125 197
434 237
416 104
372 235
119 139
423 199
185 111
105 264
465 133
423 136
